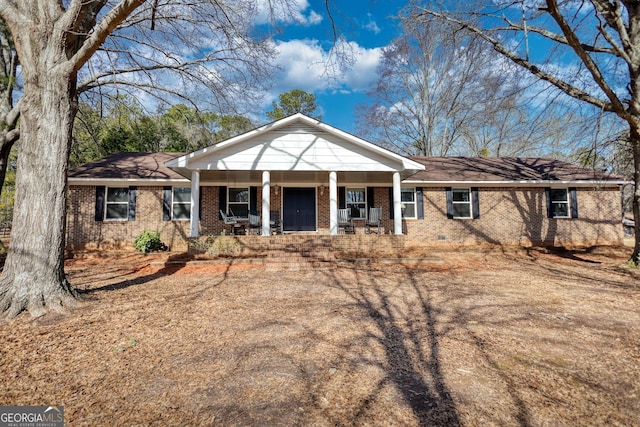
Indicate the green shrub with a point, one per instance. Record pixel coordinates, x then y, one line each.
149 241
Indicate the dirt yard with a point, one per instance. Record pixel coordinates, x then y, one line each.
529 339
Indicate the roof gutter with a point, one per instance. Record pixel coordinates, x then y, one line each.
512 183
116 181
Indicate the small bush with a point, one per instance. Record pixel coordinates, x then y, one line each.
149 241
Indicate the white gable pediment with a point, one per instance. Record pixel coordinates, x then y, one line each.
297 143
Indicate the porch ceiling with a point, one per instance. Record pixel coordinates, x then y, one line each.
228 178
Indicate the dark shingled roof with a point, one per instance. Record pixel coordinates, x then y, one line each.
151 166
129 166
503 169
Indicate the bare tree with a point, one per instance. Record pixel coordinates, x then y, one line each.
144 43
441 91
615 155
602 37
419 100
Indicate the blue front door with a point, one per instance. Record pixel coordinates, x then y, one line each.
299 209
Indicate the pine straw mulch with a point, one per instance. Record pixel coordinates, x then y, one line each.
465 339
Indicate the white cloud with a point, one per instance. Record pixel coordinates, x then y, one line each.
307 65
314 18
372 25
302 64
363 72
289 12
310 66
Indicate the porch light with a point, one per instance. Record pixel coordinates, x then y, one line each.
275 190
322 189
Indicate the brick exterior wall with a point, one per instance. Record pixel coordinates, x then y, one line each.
210 222
85 233
518 217
508 217
313 245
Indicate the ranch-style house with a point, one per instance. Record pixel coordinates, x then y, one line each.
301 176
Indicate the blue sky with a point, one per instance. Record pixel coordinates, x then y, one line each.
304 45
368 26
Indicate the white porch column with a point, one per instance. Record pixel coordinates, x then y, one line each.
195 203
333 203
397 204
266 203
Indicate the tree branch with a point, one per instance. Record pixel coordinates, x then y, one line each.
11 118
12 136
556 37
94 81
619 51
149 89
10 13
102 30
613 16
574 43
565 87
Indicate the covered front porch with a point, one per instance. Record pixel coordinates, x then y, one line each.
302 169
300 202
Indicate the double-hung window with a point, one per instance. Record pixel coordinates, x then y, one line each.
559 201
461 198
238 202
463 203
408 199
117 204
356 202
181 203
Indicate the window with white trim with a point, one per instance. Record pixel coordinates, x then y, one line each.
408 199
560 203
117 204
356 202
238 202
461 199
181 203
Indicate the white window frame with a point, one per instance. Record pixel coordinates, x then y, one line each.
360 205
173 203
413 203
469 202
107 203
567 202
230 204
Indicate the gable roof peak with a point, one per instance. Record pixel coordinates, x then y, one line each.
356 142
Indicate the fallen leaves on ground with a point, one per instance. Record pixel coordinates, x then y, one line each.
528 338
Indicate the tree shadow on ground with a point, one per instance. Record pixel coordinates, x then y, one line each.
565 267
572 255
462 319
408 333
171 266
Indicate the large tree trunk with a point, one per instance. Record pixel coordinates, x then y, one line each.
53 40
33 278
635 146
